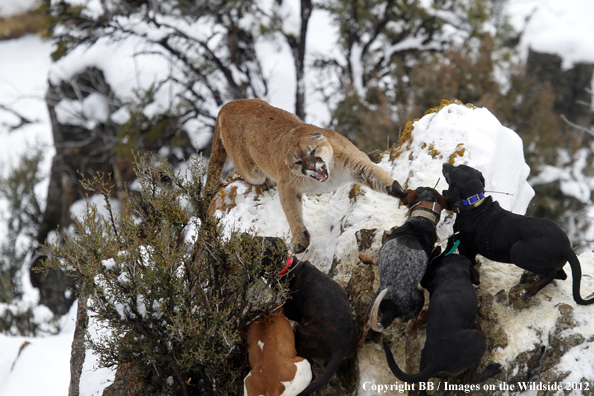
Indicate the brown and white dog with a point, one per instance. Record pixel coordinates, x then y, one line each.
276 368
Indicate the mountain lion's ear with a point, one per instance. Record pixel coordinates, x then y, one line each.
318 134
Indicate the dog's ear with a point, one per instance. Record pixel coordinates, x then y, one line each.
435 253
409 197
444 203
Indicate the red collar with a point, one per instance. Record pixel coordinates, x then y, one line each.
286 267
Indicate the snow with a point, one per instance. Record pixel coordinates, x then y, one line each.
124 71
87 113
13 7
94 379
47 357
23 82
552 26
290 13
531 327
564 28
491 148
79 208
572 181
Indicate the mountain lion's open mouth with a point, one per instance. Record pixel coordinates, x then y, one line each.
321 174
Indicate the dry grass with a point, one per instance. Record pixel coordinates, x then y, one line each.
21 24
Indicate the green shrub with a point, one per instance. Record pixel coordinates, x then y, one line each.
173 290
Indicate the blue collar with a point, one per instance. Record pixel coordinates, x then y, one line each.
474 199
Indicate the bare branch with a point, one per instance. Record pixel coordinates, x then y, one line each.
23 120
578 127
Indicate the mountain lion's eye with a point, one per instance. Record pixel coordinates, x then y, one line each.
299 162
313 152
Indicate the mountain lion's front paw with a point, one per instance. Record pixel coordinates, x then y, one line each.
300 242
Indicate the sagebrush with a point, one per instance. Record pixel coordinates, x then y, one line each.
171 291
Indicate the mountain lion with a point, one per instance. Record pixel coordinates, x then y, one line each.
270 146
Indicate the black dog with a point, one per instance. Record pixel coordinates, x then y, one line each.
326 329
483 227
402 261
452 346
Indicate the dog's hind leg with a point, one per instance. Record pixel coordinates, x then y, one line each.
416 323
541 261
490 371
464 351
561 274
535 288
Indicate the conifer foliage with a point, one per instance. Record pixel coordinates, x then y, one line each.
172 293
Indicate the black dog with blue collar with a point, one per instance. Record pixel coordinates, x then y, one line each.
474 199
483 227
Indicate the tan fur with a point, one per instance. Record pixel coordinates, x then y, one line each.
270 146
272 356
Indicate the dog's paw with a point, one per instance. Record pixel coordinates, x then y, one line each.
526 296
298 248
416 323
489 372
495 368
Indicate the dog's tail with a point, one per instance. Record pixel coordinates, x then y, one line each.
325 375
218 157
576 271
422 376
372 320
